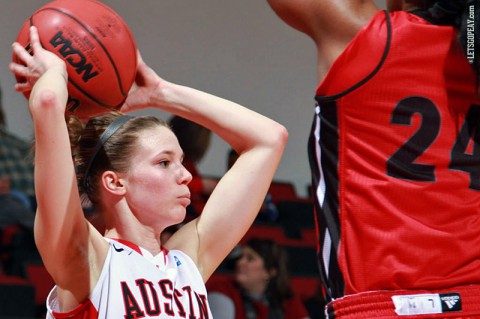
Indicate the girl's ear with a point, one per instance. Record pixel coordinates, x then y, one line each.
113 183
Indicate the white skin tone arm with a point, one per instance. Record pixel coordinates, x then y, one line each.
72 250
236 200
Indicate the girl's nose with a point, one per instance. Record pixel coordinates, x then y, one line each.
185 176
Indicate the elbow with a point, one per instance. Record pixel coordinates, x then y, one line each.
283 133
46 101
276 142
280 137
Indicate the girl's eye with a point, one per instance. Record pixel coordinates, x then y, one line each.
164 163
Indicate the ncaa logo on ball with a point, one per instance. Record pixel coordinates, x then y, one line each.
73 56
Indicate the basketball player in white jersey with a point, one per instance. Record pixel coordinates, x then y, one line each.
131 170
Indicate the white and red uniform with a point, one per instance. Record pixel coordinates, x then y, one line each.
135 284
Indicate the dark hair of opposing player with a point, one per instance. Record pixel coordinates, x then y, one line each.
462 14
469 33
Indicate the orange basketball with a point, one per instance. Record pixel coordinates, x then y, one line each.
97 46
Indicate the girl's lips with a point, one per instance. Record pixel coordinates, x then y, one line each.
185 199
187 196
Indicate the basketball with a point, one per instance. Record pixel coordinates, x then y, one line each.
98 47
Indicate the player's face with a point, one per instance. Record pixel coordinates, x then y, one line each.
157 183
250 270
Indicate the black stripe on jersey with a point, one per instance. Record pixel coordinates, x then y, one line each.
326 168
372 74
323 158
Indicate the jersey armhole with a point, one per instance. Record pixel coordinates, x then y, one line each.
85 310
329 76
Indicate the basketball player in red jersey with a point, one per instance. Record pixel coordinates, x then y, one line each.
131 169
395 155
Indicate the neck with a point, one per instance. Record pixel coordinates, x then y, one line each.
145 241
121 223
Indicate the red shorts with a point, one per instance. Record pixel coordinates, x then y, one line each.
455 303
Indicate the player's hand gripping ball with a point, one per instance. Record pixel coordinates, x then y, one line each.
98 47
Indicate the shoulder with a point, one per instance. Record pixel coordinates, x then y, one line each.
359 59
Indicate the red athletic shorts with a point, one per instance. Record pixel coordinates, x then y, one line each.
455 303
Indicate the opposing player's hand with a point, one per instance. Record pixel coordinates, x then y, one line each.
33 66
146 91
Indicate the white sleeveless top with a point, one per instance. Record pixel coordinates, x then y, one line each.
135 284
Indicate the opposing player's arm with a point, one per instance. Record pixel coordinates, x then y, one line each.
331 24
322 19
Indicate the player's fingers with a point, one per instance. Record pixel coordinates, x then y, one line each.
34 39
139 58
23 87
19 69
21 53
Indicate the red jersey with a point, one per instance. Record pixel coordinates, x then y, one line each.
396 162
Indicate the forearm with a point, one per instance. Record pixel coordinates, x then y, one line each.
52 145
240 127
55 181
49 93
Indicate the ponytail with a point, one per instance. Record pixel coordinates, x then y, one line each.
75 128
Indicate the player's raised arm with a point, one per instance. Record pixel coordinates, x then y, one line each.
331 24
235 202
62 234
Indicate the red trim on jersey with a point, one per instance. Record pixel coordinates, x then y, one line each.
129 244
84 311
137 248
165 252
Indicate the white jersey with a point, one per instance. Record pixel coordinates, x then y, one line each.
135 284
